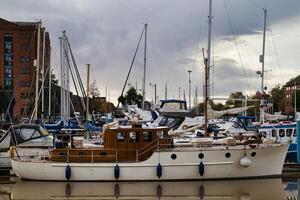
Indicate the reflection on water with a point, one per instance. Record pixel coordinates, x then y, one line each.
236 189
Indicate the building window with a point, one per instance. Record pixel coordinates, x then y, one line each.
25 35
8 58
8 73
8 83
25 70
25 47
8 47
24 84
24 59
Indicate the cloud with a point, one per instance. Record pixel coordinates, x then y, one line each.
105 33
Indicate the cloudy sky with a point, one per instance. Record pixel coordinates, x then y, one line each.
104 33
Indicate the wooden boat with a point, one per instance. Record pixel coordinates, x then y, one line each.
135 153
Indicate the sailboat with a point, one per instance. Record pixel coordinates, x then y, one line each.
131 153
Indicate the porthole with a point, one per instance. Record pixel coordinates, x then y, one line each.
173 156
201 155
227 155
253 154
103 153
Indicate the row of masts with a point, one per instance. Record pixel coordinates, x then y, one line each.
65 72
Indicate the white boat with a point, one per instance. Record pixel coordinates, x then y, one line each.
149 154
29 138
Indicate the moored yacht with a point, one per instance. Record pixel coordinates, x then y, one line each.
134 153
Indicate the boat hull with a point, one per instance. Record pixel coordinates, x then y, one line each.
186 166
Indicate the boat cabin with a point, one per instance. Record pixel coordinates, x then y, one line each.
125 144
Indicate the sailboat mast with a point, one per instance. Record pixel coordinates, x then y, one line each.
209 45
43 70
145 59
37 70
87 91
262 60
206 98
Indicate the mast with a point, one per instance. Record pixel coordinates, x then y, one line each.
262 60
206 97
43 70
87 91
62 87
145 59
190 106
50 85
209 45
166 90
37 70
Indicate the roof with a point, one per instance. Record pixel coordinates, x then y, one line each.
27 23
291 82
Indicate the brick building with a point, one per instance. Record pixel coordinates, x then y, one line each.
18 52
290 87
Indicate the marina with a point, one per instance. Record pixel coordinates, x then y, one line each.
149 100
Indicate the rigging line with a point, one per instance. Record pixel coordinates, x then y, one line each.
39 94
198 47
236 45
275 49
133 59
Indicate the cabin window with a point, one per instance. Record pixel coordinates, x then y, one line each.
263 133
281 133
295 133
121 136
273 133
147 136
289 132
160 134
133 137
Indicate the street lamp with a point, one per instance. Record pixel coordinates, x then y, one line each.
154 85
189 88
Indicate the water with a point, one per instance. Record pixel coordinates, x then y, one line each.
264 189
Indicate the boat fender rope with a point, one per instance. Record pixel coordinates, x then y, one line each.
201 168
159 170
117 171
68 172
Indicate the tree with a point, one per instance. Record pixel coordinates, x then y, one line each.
297 99
131 97
5 97
95 93
277 95
233 103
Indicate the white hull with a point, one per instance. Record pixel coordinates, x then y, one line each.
267 162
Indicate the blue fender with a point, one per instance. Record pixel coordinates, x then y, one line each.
68 172
201 168
117 171
159 170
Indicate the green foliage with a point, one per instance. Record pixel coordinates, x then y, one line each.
131 97
297 99
277 95
233 103
5 96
